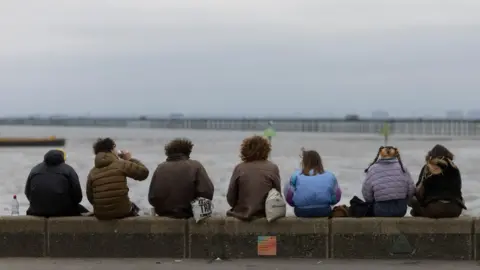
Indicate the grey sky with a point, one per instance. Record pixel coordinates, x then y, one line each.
239 56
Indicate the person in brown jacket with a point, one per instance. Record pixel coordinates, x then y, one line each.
178 181
107 188
252 179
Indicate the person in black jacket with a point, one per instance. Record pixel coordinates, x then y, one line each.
53 188
439 187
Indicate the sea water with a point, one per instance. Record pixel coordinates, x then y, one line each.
346 155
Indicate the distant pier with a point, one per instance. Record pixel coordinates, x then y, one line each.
403 126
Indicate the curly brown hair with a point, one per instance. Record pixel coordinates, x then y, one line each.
179 146
255 148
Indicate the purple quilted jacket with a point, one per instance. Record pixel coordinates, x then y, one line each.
386 181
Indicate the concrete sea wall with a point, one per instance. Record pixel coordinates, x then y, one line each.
228 238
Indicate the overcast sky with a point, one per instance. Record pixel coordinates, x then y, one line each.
239 56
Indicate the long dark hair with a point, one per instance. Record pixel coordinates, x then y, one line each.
311 160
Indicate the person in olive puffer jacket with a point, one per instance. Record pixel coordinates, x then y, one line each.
107 188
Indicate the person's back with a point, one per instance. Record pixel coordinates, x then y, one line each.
445 186
387 181
252 180
444 179
178 181
439 186
107 188
312 191
388 184
53 188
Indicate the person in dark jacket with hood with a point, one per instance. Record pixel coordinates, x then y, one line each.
53 188
439 187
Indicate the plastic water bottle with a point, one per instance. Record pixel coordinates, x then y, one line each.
15 206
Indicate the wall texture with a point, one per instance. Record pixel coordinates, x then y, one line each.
228 238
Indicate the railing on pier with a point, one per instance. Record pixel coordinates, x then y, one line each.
433 127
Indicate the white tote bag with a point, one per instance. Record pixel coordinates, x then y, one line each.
201 208
275 206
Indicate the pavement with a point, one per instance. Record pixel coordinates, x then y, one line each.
249 264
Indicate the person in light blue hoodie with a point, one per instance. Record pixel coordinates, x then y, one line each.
312 191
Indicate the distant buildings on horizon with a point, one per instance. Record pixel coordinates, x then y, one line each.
376 115
451 114
459 114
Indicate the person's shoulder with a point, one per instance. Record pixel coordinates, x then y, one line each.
66 169
122 163
269 165
296 172
375 167
241 165
164 166
194 162
452 171
38 168
329 173
118 162
67 166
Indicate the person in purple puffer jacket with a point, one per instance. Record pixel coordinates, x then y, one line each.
388 184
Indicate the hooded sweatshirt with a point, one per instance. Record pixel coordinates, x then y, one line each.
53 188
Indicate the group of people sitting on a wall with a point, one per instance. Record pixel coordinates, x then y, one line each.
53 188
388 188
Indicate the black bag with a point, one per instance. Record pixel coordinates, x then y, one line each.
359 208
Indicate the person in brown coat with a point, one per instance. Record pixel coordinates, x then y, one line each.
178 181
252 179
107 188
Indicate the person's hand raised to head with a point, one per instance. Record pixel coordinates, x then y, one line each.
125 155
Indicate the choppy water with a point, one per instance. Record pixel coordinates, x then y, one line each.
345 155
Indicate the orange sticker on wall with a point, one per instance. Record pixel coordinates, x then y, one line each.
267 246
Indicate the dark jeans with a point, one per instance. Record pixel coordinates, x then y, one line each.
391 208
436 209
312 212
